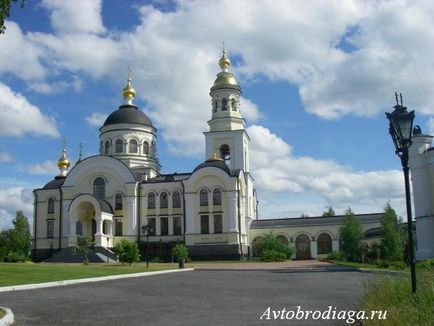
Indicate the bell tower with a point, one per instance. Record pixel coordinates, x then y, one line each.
226 136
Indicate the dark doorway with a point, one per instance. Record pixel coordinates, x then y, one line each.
93 229
302 247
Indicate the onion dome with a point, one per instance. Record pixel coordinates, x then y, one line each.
129 92
214 162
63 162
225 79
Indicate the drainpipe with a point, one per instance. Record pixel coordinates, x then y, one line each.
138 215
239 219
183 208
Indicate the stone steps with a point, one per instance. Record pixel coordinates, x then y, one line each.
98 255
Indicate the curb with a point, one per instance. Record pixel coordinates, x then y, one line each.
86 280
7 319
379 271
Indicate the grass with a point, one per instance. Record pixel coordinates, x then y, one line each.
369 266
393 294
29 273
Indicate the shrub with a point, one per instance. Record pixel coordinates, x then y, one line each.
351 235
271 243
272 255
180 252
398 264
127 251
83 246
14 257
336 255
382 263
426 265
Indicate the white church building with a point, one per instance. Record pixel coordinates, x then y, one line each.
212 210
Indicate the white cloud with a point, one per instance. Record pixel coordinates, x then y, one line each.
75 16
19 117
96 119
46 167
276 170
12 200
6 157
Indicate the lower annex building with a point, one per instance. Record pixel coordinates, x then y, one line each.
212 210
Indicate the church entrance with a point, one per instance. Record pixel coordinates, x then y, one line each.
302 247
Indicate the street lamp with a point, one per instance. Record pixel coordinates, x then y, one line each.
146 229
400 128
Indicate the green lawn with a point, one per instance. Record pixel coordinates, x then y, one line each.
28 273
393 294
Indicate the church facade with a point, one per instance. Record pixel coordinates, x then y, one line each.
212 210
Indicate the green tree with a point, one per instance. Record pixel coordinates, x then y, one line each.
329 212
5 7
83 246
21 240
180 252
127 251
5 244
392 242
272 249
351 236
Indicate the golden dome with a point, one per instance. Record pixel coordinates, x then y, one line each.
128 92
63 162
224 61
215 157
225 78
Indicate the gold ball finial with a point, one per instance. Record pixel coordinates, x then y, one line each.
224 61
129 92
63 162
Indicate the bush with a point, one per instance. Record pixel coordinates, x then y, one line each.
336 255
180 252
271 243
382 263
14 257
83 246
426 265
156 259
272 255
398 264
127 251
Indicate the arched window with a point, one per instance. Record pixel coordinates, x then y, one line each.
324 243
118 201
216 197
224 104
99 188
107 147
133 146
164 200
78 228
234 104
119 146
151 201
203 197
225 153
176 199
282 239
146 148
50 208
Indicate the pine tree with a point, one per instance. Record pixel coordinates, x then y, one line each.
392 244
21 240
329 212
351 236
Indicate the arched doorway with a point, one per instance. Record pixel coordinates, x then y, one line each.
302 247
283 240
255 246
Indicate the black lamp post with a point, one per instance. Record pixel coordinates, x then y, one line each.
400 128
146 229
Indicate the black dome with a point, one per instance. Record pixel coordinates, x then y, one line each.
56 183
128 114
219 164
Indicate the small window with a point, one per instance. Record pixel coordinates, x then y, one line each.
151 223
99 188
225 153
107 147
176 199
214 104
151 201
50 208
217 197
118 228
118 202
204 224
50 229
164 226
79 228
146 148
177 226
218 224
224 104
203 197
119 146
234 103
164 200
133 146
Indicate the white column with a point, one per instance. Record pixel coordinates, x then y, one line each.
211 223
170 221
232 211
313 248
189 213
335 245
170 206
131 215
99 236
157 226
72 236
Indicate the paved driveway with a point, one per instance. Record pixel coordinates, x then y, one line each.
202 297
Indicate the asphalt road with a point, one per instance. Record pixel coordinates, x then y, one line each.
202 297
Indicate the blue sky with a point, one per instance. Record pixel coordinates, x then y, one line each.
316 77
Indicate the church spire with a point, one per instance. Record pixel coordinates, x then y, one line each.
128 92
63 162
224 61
